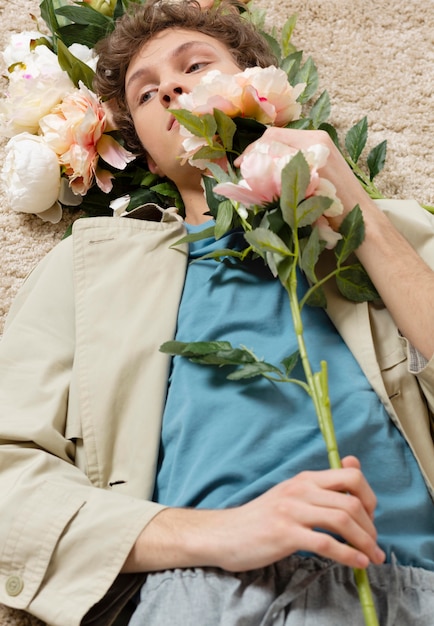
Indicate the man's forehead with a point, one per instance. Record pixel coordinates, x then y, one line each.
168 45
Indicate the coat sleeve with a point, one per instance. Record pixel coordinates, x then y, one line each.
62 540
417 226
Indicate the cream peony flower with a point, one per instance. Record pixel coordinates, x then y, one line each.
33 174
36 85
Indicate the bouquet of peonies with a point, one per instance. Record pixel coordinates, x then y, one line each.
59 132
63 151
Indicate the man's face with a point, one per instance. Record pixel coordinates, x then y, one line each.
171 63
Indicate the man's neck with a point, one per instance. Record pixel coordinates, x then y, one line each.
196 207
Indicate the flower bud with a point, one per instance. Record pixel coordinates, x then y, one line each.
106 7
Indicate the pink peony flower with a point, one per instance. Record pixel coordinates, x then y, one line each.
261 170
75 131
326 233
261 183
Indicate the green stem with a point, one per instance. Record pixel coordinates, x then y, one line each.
318 386
365 181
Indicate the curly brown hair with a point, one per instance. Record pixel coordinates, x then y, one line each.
142 22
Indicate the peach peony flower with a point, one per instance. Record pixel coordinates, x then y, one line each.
75 131
215 91
263 94
268 97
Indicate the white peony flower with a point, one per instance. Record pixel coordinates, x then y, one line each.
119 205
32 171
19 46
85 54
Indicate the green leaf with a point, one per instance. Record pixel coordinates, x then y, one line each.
287 30
119 10
331 130
203 234
376 159
302 123
290 362
320 111
233 356
354 284
264 240
76 69
310 209
216 151
352 230
295 180
213 200
224 219
281 267
356 138
48 14
316 297
222 254
220 175
307 74
84 14
198 348
87 35
274 45
226 128
201 126
291 65
310 254
252 370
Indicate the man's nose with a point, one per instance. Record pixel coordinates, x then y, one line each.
169 93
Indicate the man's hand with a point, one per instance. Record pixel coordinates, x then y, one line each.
285 519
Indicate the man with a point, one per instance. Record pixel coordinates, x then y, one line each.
246 523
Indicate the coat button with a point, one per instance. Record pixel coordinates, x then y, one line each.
14 585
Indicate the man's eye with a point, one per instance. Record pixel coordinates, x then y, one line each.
194 67
146 96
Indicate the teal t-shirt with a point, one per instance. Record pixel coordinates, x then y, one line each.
224 443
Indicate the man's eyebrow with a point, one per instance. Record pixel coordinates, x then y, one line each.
184 47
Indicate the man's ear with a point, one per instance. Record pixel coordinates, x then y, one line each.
153 167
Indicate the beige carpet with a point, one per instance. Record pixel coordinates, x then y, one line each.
374 57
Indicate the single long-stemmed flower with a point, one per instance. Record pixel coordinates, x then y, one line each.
277 196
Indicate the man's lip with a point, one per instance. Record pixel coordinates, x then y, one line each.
172 122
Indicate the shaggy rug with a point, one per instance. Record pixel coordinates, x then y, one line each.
375 58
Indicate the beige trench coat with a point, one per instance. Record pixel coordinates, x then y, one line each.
82 389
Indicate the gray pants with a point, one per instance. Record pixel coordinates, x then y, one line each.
294 592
